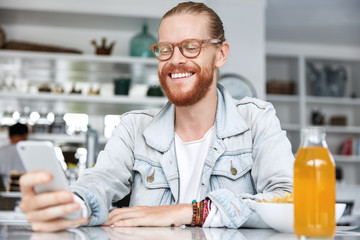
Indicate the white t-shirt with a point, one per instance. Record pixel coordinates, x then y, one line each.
190 159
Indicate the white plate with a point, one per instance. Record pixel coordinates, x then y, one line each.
280 216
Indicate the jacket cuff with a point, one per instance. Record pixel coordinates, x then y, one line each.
234 212
97 211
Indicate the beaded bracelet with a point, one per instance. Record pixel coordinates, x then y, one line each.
200 212
194 207
206 209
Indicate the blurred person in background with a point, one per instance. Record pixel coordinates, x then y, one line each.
9 158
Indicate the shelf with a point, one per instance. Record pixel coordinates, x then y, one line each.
341 129
328 129
346 159
312 51
290 127
78 57
333 100
282 98
63 138
83 98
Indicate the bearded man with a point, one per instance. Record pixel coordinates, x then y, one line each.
202 160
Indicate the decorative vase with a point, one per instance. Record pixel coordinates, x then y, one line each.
140 44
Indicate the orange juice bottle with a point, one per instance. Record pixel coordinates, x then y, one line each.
314 186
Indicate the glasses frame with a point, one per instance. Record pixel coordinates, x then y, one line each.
173 45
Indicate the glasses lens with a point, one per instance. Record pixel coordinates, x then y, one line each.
190 48
163 51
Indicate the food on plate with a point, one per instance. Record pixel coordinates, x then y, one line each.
287 198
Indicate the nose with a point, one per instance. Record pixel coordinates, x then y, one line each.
177 57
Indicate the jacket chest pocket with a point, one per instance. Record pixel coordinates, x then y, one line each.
234 172
151 175
150 186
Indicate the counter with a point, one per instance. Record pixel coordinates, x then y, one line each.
176 233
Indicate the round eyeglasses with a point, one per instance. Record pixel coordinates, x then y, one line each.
189 48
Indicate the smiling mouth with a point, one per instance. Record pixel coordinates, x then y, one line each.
181 75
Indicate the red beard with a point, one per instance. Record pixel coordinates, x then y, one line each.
187 98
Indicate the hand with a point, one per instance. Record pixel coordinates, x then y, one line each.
160 216
44 211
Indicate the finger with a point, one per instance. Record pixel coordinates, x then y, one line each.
118 211
29 180
129 223
121 215
125 216
114 213
52 212
57 225
122 210
45 200
107 223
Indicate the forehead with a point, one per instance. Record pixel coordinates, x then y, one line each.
183 26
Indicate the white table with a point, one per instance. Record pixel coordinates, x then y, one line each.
173 233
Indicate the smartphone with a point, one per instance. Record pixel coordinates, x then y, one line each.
41 156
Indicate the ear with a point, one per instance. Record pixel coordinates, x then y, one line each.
221 54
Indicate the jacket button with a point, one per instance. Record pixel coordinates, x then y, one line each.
151 178
232 169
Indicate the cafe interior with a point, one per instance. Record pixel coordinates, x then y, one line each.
69 69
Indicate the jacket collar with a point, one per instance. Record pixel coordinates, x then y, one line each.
228 120
160 132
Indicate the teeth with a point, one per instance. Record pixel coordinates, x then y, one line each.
181 75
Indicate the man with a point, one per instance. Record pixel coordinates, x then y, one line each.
9 158
203 146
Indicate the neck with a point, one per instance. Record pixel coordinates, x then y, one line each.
192 122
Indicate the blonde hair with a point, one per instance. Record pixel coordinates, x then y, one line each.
215 24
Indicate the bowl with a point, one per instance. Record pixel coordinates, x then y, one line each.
280 216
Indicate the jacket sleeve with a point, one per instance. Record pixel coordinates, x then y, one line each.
110 179
272 170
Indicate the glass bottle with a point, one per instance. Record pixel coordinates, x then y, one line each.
59 124
314 186
42 125
7 118
140 44
24 117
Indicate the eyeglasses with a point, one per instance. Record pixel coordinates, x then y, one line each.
189 48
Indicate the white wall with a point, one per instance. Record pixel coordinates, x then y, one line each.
245 32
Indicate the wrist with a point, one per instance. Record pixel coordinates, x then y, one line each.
186 213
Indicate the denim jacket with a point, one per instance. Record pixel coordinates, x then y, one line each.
249 157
